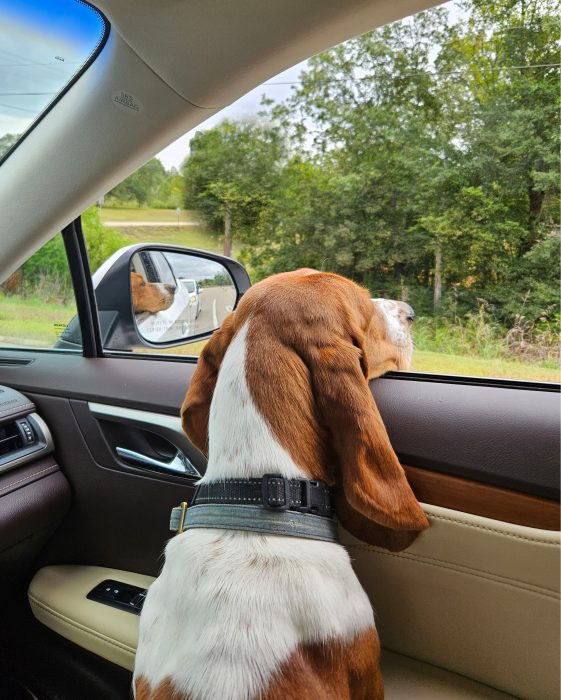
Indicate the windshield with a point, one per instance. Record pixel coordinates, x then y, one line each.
44 45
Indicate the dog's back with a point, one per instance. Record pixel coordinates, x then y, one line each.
241 615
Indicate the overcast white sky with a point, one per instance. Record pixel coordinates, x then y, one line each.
249 105
246 106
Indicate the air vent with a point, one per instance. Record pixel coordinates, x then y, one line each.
14 361
11 439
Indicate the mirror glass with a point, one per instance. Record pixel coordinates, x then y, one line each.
178 296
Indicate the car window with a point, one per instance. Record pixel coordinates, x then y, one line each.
37 305
421 160
43 47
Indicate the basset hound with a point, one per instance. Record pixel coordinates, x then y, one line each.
149 297
282 387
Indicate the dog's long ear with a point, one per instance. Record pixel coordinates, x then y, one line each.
196 405
373 498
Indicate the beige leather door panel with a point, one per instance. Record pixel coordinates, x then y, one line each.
470 610
475 596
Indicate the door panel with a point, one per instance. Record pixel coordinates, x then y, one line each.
58 598
472 595
475 596
494 434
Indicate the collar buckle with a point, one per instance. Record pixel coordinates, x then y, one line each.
275 492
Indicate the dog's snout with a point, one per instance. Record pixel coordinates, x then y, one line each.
169 288
409 313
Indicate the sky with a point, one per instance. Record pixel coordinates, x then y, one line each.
250 104
246 106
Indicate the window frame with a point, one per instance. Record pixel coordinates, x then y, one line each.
91 337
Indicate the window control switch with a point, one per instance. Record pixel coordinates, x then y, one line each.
119 595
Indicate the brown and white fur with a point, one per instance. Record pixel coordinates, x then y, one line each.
149 297
282 387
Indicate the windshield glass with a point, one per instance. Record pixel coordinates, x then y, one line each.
44 45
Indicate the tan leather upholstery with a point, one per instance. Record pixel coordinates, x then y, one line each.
407 679
57 595
476 596
58 599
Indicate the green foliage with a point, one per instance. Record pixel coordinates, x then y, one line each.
101 241
428 149
46 274
151 186
7 141
231 173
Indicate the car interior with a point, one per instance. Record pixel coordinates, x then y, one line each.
470 610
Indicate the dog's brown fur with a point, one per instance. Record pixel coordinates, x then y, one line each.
150 297
316 339
315 396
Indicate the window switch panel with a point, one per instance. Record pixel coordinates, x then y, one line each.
119 595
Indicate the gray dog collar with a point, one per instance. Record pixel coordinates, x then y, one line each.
253 519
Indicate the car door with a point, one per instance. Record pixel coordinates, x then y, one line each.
471 609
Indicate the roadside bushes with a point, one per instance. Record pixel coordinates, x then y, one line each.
477 334
46 276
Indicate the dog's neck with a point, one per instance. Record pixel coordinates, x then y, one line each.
241 443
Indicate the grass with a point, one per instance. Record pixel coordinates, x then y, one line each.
187 237
443 363
32 322
136 214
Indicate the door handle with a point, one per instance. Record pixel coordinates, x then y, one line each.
178 465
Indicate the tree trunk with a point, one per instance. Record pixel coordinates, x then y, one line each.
228 233
437 275
404 290
535 200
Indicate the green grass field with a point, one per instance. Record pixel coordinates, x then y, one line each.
441 363
136 214
186 236
32 322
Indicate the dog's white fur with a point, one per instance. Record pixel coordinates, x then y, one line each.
232 606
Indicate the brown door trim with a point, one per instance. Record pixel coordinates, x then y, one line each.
482 499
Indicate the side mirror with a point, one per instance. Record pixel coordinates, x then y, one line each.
161 296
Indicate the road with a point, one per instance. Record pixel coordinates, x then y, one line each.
216 304
170 224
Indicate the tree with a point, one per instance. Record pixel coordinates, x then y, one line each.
425 160
143 186
7 141
230 175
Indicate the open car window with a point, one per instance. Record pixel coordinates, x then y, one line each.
420 160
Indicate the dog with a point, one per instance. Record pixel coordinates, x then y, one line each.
282 387
149 296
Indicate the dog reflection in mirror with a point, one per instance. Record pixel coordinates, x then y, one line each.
282 387
150 297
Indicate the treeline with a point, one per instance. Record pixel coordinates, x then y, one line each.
151 185
421 160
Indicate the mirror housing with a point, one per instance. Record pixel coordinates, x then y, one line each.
174 322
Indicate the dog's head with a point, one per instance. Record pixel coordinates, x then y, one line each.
149 296
314 340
